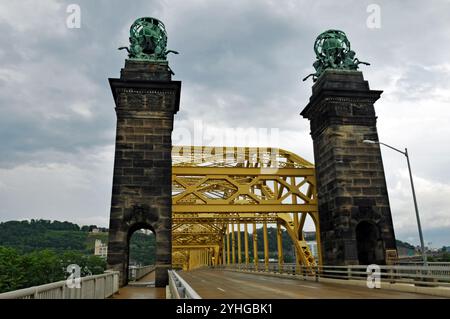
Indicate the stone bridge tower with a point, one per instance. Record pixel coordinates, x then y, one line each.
355 218
146 101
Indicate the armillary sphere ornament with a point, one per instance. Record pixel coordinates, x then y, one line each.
148 40
333 51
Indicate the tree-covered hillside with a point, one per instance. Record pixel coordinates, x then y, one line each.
29 236
142 249
37 252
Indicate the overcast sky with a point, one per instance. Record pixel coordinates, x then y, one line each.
241 63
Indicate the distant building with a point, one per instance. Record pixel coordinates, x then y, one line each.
309 235
100 249
405 249
310 238
313 248
94 229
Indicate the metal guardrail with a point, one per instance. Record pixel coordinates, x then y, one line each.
136 273
431 275
440 270
179 288
420 263
91 287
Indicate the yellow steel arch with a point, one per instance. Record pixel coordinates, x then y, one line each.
216 188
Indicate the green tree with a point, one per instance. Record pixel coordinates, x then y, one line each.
41 267
12 276
142 249
89 264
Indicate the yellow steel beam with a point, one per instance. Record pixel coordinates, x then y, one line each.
255 247
224 255
266 247
240 171
215 188
280 245
233 246
182 247
239 243
228 245
246 243
227 208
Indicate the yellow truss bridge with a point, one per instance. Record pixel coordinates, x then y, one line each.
218 192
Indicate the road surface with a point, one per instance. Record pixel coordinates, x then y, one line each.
218 284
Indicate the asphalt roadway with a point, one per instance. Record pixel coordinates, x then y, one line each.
220 284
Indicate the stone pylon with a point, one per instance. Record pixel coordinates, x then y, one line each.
355 217
146 101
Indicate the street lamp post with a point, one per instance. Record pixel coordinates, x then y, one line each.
424 253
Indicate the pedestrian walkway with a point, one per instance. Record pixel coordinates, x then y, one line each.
144 288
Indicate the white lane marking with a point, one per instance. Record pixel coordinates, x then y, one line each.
220 289
309 287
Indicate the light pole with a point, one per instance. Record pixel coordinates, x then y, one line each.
424 253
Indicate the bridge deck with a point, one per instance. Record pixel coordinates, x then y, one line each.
141 289
217 284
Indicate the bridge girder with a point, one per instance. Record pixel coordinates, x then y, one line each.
216 188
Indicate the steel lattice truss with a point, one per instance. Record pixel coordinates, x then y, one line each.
215 188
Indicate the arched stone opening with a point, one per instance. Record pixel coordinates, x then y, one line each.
141 248
370 245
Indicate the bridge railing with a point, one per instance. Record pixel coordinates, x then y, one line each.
431 275
136 273
420 263
91 287
179 288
